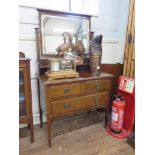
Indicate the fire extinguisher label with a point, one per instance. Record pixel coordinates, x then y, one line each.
114 116
121 114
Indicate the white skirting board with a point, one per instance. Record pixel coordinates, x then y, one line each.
36 120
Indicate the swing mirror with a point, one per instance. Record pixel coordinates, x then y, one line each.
53 26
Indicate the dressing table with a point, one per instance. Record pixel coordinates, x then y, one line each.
69 96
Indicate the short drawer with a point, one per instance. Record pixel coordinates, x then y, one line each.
64 106
64 90
94 86
98 99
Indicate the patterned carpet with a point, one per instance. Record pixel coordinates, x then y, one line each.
68 124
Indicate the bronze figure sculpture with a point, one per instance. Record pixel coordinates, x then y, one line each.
79 47
95 50
77 50
62 49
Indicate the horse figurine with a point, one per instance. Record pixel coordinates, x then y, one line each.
64 48
79 47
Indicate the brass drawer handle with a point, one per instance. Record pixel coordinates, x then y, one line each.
67 106
98 87
66 90
96 100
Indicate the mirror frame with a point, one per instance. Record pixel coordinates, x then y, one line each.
41 55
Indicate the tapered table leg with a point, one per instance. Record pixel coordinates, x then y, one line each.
40 111
49 130
31 131
106 118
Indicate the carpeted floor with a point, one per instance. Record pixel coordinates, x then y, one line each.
82 134
68 124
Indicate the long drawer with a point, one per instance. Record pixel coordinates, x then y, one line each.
74 104
93 86
64 90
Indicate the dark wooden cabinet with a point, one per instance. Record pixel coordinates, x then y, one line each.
25 99
64 97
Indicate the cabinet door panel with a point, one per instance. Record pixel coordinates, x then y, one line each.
23 93
22 99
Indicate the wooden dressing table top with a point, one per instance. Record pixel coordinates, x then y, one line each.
82 77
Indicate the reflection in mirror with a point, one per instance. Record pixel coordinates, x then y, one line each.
59 30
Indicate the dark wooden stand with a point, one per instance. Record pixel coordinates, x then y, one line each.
25 99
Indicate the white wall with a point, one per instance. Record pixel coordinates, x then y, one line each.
112 23
124 12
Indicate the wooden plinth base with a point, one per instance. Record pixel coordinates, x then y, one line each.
62 74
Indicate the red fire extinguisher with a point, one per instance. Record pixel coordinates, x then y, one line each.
117 115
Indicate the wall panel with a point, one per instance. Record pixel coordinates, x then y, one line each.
28 15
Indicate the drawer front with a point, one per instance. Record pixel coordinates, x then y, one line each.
64 90
67 105
100 99
93 86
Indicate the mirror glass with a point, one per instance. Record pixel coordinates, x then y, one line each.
54 27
